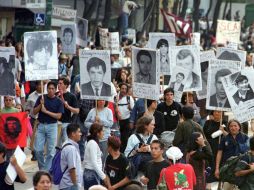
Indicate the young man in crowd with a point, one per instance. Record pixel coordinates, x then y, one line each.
70 105
171 110
117 166
70 159
50 109
155 166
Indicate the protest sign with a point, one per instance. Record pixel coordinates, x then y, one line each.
195 38
7 65
131 35
68 38
40 55
103 33
162 41
13 129
216 95
231 54
81 29
95 74
228 31
205 56
146 73
188 57
178 79
113 42
239 89
232 45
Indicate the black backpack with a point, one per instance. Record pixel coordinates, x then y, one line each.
227 171
140 159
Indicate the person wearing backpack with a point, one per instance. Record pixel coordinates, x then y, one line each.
233 144
124 105
247 170
70 160
138 146
50 109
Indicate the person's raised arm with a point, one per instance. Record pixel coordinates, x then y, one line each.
19 170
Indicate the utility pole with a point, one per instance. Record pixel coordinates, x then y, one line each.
49 5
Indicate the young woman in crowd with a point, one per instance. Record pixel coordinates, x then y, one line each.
102 115
93 168
233 144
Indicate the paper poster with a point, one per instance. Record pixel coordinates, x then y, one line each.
195 38
188 57
146 73
95 74
81 29
40 55
178 79
11 173
68 38
113 42
239 89
7 65
162 41
228 31
216 95
231 54
103 32
205 57
131 33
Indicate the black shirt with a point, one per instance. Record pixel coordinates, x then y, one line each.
117 169
3 185
153 171
171 114
72 101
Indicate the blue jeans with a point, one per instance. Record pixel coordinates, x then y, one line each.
90 178
63 136
123 23
74 187
46 133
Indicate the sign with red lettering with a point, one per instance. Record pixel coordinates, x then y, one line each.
13 129
228 31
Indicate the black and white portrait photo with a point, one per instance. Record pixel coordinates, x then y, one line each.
205 56
68 39
40 54
239 88
81 29
178 79
95 74
188 57
146 72
162 41
145 67
216 93
231 54
6 75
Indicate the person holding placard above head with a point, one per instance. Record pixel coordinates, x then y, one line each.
186 60
96 69
145 65
50 109
219 99
162 45
244 92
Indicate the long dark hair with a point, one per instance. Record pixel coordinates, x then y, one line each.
94 130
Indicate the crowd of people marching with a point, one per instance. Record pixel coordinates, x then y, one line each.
120 144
